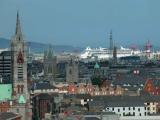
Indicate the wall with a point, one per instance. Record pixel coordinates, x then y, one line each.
126 111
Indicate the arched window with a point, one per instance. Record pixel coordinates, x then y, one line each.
20 58
18 87
22 86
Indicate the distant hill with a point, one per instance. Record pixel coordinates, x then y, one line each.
40 47
4 43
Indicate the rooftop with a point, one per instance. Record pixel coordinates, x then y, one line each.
8 115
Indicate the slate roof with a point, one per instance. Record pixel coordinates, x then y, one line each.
78 96
8 115
127 98
99 113
125 104
42 85
91 118
130 78
122 101
47 96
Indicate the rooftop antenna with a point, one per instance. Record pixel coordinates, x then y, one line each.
148 45
111 41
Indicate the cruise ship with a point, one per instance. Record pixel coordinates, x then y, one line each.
104 53
3 49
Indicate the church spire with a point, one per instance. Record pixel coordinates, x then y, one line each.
18 26
50 52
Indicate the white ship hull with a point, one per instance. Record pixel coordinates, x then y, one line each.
103 53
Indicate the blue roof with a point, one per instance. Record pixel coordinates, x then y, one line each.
96 66
5 92
21 99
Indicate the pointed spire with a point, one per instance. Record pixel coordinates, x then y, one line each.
18 27
111 40
50 52
45 54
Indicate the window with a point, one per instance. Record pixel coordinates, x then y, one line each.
129 108
112 109
133 113
118 110
123 114
133 108
22 86
123 108
129 113
145 113
138 109
139 114
148 108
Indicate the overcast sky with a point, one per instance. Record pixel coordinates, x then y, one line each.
83 22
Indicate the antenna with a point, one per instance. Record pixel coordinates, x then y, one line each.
111 41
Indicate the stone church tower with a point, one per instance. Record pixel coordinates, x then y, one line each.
50 65
19 73
72 72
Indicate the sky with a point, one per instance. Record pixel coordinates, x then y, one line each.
83 22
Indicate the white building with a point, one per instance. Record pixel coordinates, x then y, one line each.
127 108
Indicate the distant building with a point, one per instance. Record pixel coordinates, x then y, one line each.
127 108
97 75
97 70
72 89
72 71
6 67
138 106
49 64
43 103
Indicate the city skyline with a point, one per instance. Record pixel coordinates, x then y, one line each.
94 84
82 23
